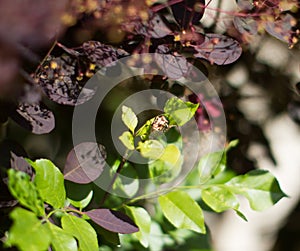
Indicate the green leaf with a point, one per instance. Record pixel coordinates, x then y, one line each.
179 112
25 192
260 187
145 130
127 140
162 172
182 211
171 154
84 202
27 232
143 221
61 241
50 182
127 183
151 149
211 165
219 198
82 231
129 118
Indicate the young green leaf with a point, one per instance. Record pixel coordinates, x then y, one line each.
179 112
145 130
50 182
171 154
127 140
260 187
27 231
219 198
151 149
211 165
84 202
113 221
143 221
82 231
129 118
182 211
61 241
25 192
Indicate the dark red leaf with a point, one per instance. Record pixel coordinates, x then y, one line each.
85 163
34 117
172 64
63 83
246 25
282 28
245 4
154 27
20 164
113 221
188 12
219 49
100 54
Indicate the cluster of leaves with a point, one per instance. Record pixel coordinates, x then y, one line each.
49 218
37 227
275 17
172 29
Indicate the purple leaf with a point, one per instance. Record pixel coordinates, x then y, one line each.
172 64
113 221
282 28
188 12
34 117
246 25
218 49
20 164
101 54
85 163
62 83
245 4
154 27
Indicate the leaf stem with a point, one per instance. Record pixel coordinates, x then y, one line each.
119 169
45 58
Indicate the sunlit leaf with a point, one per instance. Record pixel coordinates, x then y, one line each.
60 240
25 192
84 202
219 198
129 118
114 221
36 236
143 221
218 49
145 130
182 211
171 154
260 187
211 165
127 140
152 149
85 163
49 182
180 112
82 231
